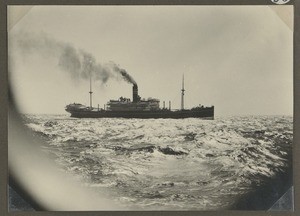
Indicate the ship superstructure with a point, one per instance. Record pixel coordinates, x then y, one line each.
137 104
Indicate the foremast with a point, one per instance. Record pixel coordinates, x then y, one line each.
182 93
91 105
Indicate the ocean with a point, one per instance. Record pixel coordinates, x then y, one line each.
169 164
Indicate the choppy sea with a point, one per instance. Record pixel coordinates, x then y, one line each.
169 164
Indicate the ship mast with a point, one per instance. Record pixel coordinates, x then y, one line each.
182 93
91 90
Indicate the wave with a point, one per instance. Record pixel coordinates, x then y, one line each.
169 163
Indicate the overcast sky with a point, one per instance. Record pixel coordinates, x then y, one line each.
237 58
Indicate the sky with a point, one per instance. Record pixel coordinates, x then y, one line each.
237 58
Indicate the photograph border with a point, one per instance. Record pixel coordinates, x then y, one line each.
4 100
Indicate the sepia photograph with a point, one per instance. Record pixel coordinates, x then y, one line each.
150 108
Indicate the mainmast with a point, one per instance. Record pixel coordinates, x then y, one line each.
182 93
91 90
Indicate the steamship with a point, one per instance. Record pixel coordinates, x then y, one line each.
138 108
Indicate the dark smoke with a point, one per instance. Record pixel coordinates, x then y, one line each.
78 63
125 75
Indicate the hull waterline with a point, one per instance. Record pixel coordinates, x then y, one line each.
205 113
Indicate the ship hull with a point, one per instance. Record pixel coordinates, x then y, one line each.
205 113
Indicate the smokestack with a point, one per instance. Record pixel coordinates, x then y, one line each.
135 96
169 105
164 104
